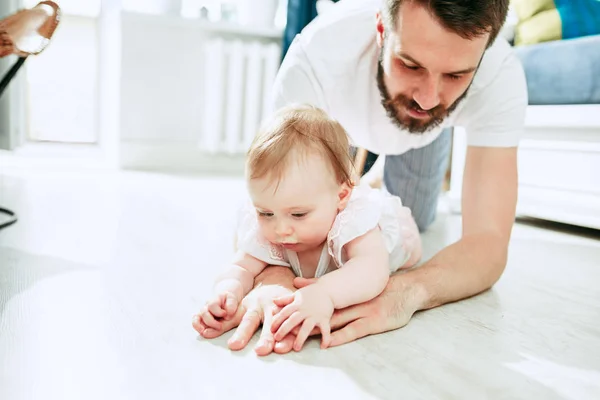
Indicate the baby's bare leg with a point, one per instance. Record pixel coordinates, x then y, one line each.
411 238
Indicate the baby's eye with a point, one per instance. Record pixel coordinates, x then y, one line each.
265 214
299 215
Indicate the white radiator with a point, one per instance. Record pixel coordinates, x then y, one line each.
238 77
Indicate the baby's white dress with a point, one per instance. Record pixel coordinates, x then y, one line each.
366 209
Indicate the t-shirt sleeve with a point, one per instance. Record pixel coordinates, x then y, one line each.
296 81
495 116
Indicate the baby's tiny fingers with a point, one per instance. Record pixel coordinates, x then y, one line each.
326 334
287 326
215 309
210 321
197 324
303 334
285 300
231 304
283 315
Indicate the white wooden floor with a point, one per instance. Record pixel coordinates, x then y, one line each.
100 277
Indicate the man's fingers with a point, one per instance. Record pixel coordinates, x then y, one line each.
352 331
284 300
300 282
285 346
245 330
266 342
346 315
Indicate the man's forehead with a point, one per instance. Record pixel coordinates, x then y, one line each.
419 34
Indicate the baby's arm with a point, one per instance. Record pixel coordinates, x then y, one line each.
365 274
240 274
362 278
230 288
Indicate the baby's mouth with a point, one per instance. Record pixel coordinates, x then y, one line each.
289 245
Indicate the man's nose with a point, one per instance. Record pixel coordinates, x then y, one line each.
428 93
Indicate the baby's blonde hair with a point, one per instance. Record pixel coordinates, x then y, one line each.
299 129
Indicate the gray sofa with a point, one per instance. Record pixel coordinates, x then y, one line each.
563 71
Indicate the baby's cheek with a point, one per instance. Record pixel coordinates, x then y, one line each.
266 231
316 230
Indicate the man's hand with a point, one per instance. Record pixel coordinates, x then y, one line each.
256 308
307 308
392 309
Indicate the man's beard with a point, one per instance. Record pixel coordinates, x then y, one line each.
394 107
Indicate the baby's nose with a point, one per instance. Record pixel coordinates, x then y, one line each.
284 229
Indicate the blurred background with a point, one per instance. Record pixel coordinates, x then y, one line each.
149 83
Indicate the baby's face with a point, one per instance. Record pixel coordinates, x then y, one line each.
299 213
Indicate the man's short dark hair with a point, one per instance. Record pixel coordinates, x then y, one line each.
467 18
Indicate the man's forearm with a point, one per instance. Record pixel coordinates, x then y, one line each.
463 269
276 275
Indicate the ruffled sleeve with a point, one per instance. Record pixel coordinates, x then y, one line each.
400 233
370 208
253 243
362 214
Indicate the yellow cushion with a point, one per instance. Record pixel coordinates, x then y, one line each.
525 9
543 27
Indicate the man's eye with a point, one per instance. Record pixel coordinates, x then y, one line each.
455 77
411 67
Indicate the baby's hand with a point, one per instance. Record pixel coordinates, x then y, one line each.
224 304
310 306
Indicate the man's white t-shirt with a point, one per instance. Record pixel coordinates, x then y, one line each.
332 64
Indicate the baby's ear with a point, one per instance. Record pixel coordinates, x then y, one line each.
344 195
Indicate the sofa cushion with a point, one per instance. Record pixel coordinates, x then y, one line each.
563 72
547 20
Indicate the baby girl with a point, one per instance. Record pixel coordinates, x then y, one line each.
306 213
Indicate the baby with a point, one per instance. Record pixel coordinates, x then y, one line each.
306 213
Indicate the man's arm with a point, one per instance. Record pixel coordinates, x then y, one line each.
477 260
463 269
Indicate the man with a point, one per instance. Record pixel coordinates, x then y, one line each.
397 74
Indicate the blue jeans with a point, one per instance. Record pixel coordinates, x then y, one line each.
417 176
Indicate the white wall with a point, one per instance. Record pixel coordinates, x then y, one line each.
162 90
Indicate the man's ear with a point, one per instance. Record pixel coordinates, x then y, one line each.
344 195
380 29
